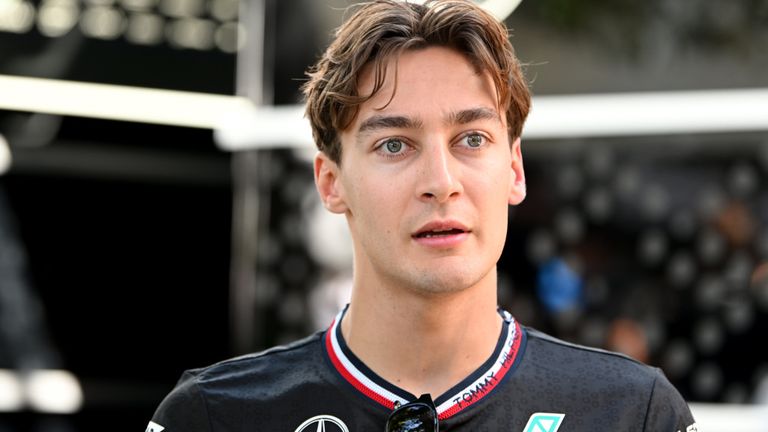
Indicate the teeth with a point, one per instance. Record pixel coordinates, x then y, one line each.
436 233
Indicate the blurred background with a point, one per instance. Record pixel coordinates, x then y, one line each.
132 250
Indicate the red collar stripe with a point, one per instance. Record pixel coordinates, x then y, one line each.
354 376
460 400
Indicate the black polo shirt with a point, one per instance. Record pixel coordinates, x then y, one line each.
531 383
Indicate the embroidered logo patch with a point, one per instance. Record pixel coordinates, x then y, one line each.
544 422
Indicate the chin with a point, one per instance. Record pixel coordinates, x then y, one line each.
444 282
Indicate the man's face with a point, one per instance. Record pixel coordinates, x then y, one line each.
426 178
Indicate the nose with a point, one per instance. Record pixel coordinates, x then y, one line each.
439 178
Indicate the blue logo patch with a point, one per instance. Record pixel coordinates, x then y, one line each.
544 422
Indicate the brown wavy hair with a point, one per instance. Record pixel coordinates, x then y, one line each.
380 29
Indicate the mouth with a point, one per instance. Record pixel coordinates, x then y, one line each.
439 233
440 230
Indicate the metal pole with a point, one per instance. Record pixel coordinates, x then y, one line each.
250 208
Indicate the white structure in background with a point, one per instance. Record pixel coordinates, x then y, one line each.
5 155
730 418
240 125
43 390
329 242
576 116
53 391
11 391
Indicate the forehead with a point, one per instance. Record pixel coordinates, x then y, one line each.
432 78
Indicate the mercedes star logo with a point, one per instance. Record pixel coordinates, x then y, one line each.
323 423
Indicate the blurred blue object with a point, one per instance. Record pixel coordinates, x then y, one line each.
559 287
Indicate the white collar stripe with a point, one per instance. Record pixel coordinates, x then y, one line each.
352 373
467 396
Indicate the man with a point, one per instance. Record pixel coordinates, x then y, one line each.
417 112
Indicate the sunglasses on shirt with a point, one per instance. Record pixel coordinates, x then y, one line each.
417 416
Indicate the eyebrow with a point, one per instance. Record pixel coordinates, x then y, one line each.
473 114
388 122
378 122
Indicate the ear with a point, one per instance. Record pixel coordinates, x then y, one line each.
328 183
517 180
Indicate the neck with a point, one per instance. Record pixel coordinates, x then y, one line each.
423 343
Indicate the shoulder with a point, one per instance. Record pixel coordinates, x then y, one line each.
583 378
274 361
580 373
585 362
202 393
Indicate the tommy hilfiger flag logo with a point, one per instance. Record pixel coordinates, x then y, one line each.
544 422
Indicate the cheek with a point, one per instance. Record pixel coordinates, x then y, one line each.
494 180
369 199
491 190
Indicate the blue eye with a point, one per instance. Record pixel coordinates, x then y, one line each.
474 140
393 146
